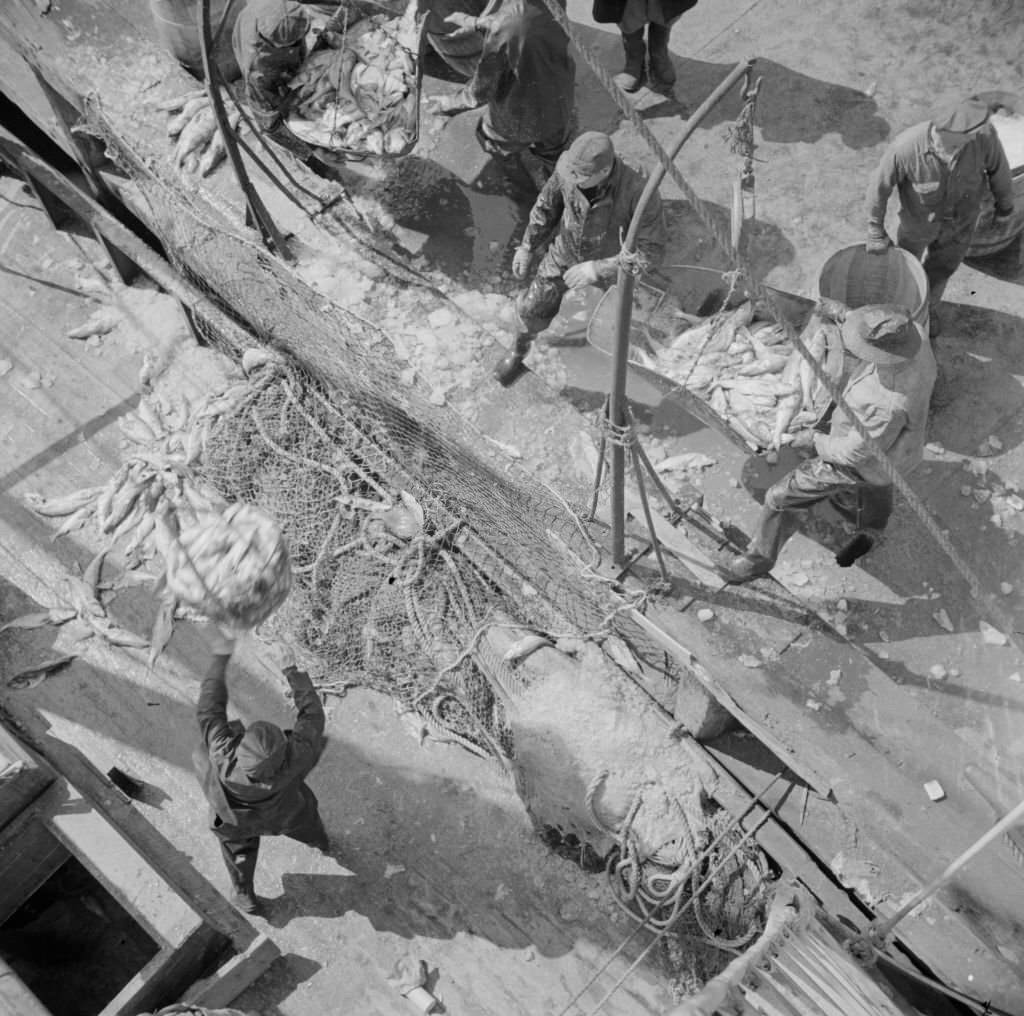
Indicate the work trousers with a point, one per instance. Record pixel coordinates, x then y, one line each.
538 304
494 142
867 505
940 257
239 845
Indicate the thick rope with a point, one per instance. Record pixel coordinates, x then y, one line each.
758 291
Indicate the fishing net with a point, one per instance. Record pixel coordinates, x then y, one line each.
409 539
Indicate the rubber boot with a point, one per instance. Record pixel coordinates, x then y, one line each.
510 368
854 549
659 62
632 75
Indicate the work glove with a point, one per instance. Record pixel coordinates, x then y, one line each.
877 244
521 262
1003 213
583 274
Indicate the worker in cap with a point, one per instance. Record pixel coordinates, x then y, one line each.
254 777
525 80
269 44
580 217
942 169
633 17
889 376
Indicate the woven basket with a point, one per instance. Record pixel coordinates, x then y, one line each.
232 568
411 119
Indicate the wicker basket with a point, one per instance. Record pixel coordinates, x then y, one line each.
412 30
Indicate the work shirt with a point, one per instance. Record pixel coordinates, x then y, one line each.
263 808
593 230
525 74
892 404
936 196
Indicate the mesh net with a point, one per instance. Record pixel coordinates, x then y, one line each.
405 543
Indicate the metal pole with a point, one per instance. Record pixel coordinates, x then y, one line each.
617 410
624 283
880 930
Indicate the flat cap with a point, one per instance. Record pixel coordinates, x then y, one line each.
590 153
963 116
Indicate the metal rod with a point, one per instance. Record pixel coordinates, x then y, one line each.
617 409
638 468
670 501
624 313
881 929
272 236
599 472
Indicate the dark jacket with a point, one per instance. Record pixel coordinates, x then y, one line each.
594 232
268 43
611 12
935 196
264 808
525 73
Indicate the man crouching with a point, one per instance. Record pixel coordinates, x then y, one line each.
889 375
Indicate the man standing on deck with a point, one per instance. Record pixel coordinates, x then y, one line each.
526 78
632 17
581 216
889 380
941 169
253 777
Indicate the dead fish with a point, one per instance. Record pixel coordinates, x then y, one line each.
522 648
37 619
770 364
725 332
163 628
31 676
188 111
179 102
63 504
789 406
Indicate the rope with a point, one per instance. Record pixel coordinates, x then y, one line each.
758 291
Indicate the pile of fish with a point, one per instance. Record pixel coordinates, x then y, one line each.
749 374
358 89
154 507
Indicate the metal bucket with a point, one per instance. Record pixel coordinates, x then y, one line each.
857 278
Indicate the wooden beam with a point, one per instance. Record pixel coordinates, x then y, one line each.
174 866
233 977
15 998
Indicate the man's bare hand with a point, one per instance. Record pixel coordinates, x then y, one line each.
464 25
